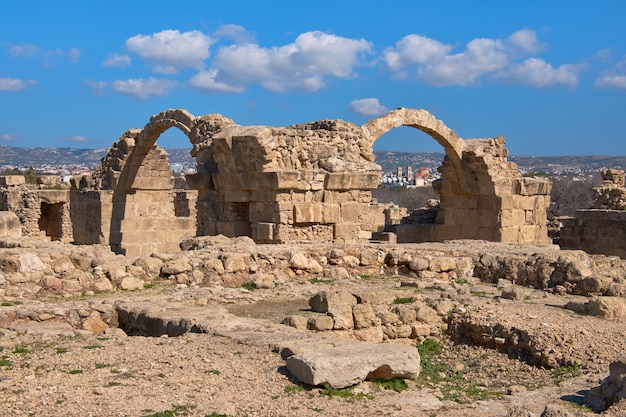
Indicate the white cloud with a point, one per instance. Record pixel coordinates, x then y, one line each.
9 137
74 54
117 61
414 49
433 62
538 73
171 50
15 84
302 64
524 41
235 32
143 88
97 86
480 56
27 49
205 80
611 81
77 139
368 107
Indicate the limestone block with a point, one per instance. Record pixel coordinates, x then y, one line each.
347 364
285 180
364 316
263 231
10 225
330 213
346 231
512 218
12 180
233 196
299 322
369 334
353 181
307 213
320 323
350 211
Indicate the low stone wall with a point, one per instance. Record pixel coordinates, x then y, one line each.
596 231
31 268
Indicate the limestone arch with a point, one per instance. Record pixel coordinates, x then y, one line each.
426 122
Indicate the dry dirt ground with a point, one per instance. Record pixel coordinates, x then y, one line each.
207 375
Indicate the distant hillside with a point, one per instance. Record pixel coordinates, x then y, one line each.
388 160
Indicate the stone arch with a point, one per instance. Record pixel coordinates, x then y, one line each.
424 121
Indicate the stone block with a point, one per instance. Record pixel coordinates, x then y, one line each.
10 225
234 196
346 231
12 180
330 213
307 213
352 181
263 231
233 229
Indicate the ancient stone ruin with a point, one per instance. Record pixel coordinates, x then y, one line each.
601 229
301 183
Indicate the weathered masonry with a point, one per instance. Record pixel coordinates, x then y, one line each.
309 182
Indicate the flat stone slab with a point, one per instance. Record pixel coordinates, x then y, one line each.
312 358
353 362
44 329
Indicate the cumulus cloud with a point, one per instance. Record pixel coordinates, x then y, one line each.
205 80
524 41
15 84
303 64
368 107
9 137
538 73
171 50
611 81
27 50
143 88
433 61
414 49
117 61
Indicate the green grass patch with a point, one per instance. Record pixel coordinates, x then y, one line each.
5 362
293 389
148 285
75 371
478 293
564 372
102 365
20 350
346 393
320 281
212 371
249 286
61 350
365 277
92 347
10 303
403 300
176 411
395 384
453 386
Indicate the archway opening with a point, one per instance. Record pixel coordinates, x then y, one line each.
409 159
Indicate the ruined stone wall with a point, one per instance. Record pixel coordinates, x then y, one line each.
602 229
301 183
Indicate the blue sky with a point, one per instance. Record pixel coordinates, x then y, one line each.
548 75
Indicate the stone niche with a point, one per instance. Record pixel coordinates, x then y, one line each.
309 182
